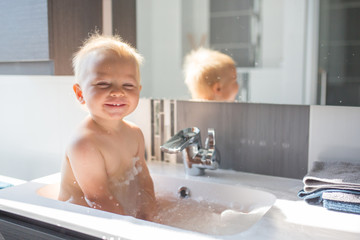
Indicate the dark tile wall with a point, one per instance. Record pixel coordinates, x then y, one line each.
258 138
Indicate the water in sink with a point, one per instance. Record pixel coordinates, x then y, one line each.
220 214
199 216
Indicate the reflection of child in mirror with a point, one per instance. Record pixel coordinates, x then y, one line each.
210 75
105 166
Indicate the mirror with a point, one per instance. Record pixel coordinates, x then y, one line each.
288 52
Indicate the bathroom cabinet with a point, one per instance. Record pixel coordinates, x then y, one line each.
13 226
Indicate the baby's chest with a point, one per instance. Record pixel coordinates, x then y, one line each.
119 156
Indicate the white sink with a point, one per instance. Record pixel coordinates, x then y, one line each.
210 208
215 209
211 211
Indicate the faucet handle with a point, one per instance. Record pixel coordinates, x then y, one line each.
210 140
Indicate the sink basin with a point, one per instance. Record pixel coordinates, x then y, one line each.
204 207
211 208
190 208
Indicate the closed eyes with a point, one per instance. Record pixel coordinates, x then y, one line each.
103 84
129 86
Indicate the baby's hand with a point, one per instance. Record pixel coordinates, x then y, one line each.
149 207
148 214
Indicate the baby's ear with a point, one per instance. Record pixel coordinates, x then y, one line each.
78 93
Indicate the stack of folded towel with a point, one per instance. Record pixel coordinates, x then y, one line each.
5 185
335 185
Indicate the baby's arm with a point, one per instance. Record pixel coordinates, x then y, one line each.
88 166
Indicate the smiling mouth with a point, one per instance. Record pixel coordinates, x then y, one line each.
114 105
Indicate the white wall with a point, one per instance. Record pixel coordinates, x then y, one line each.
195 24
272 31
334 134
294 52
38 114
281 77
159 41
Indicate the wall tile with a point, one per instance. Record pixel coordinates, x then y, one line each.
259 138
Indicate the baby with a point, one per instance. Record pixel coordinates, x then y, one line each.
104 167
210 75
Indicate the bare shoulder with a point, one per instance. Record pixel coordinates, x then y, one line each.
134 128
131 124
83 143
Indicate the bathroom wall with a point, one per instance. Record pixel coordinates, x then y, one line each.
259 138
334 134
279 140
38 116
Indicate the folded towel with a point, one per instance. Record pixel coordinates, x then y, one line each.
341 206
334 199
341 195
345 201
334 185
313 198
5 185
333 175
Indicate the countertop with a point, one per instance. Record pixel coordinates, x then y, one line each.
288 218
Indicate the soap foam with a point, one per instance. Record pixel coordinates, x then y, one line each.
130 174
127 191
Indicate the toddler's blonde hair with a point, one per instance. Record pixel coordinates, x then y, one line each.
202 69
97 42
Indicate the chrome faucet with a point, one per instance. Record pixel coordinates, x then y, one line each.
196 159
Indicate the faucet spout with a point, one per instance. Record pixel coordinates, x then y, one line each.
181 140
196 159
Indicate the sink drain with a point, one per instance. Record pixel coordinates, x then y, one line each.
184 192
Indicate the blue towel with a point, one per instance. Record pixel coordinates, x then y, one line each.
313 198
5 185
334 199
341 206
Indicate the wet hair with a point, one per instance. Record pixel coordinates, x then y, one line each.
202 69
102 43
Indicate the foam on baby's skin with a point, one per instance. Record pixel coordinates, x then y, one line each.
131 173
127 190
92 204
